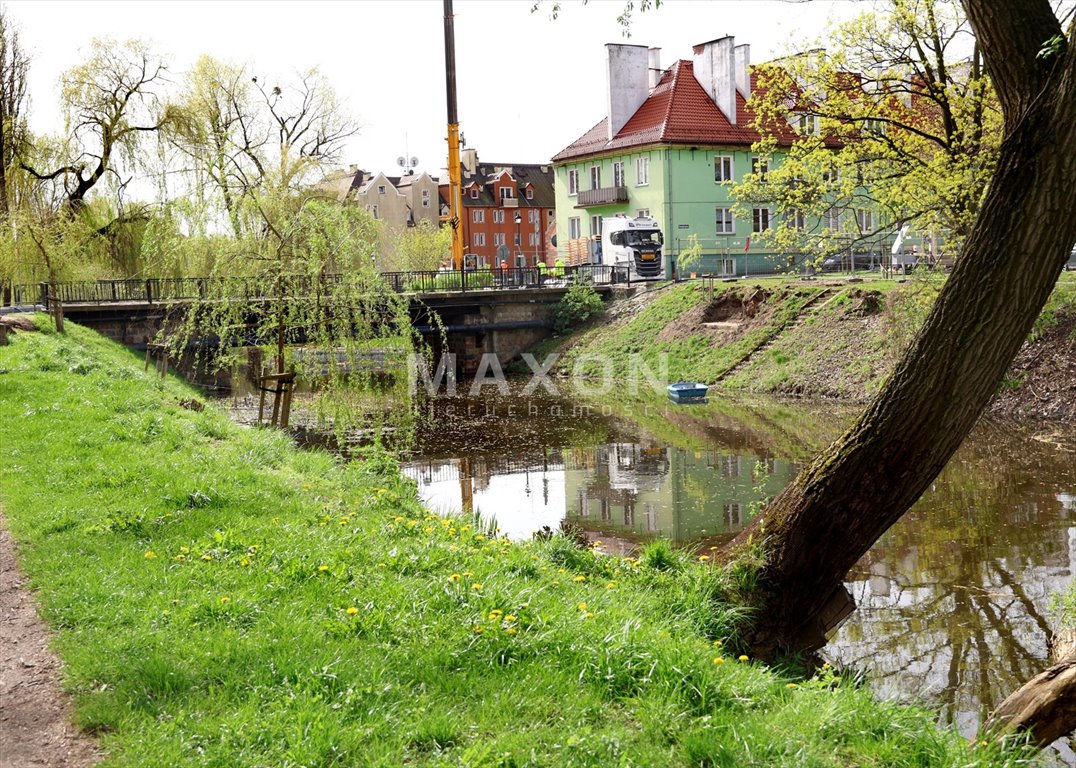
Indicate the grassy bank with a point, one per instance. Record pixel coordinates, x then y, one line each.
824 339
221 598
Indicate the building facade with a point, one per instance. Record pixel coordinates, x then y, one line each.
670 145
508 216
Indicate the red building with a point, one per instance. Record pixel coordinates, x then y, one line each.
509 216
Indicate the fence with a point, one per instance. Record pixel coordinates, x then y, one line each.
154 290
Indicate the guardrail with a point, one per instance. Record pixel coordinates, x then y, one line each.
161 290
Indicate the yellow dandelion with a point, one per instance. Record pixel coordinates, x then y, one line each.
611 585
478 630
704 558
225 600
579 579
713 549
468 573
742 657
582 606
351 611
180 556
323 568
477 587
556 583
719 660
452 531
245 562
428 529
718 643
454 577
380 565
185 550
825 665
150 554
495 614
510 630
791 685
207 556
510 618
588 615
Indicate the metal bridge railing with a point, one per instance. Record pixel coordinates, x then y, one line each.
157 289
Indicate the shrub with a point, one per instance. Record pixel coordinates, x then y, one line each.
578 305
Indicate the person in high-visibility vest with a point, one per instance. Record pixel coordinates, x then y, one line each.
558 268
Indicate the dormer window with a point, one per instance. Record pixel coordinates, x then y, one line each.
530 193
474 193
507 193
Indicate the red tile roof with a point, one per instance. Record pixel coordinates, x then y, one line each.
678 111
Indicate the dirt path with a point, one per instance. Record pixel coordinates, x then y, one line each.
35 723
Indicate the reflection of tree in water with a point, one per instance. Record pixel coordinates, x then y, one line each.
952 599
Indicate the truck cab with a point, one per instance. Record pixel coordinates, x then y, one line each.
633 247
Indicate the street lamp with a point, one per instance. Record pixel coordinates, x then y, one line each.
519 241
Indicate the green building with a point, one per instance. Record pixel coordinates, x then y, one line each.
669 143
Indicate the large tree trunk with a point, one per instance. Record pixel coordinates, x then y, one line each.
815 531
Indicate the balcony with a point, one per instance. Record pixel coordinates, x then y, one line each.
602 196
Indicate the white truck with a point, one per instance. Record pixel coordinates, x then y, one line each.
633 246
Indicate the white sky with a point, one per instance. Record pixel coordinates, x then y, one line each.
527 85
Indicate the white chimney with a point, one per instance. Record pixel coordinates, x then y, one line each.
626 78
743 70
653 67
469 161
714 64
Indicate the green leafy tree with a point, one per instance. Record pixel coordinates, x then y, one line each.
14 105
422 247
894 129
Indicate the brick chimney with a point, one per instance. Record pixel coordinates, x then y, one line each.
627 79
714 65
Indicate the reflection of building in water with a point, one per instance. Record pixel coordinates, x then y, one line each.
649 489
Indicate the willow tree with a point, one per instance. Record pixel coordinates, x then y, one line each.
892 128
808 538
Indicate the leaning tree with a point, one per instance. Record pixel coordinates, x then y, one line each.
809 537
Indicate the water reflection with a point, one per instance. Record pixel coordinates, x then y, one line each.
953 600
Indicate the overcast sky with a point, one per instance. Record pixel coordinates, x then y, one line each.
528 85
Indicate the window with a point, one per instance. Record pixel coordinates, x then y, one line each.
498 238
833 219
373 210
516 238
596 225
865 219
642 171
574 230
807 125
726 225
796 219
533 237
479 238
478 216
573 182
498 217
618 173
380 189
532 216
595 177
426 203
760 218
425 194
507 193
831 175
530 193
760 167
474 193
723 168
643 213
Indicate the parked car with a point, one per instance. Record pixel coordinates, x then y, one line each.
852 262
1071 263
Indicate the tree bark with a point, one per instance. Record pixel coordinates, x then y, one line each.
1045 706
814 532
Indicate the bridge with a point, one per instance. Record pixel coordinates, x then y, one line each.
503 311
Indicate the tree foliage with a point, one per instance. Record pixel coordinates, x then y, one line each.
898 124
14 104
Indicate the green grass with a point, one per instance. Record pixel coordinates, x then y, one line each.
625 348
221 598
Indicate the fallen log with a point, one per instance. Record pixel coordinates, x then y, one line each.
1045 706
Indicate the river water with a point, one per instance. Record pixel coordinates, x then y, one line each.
954 600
